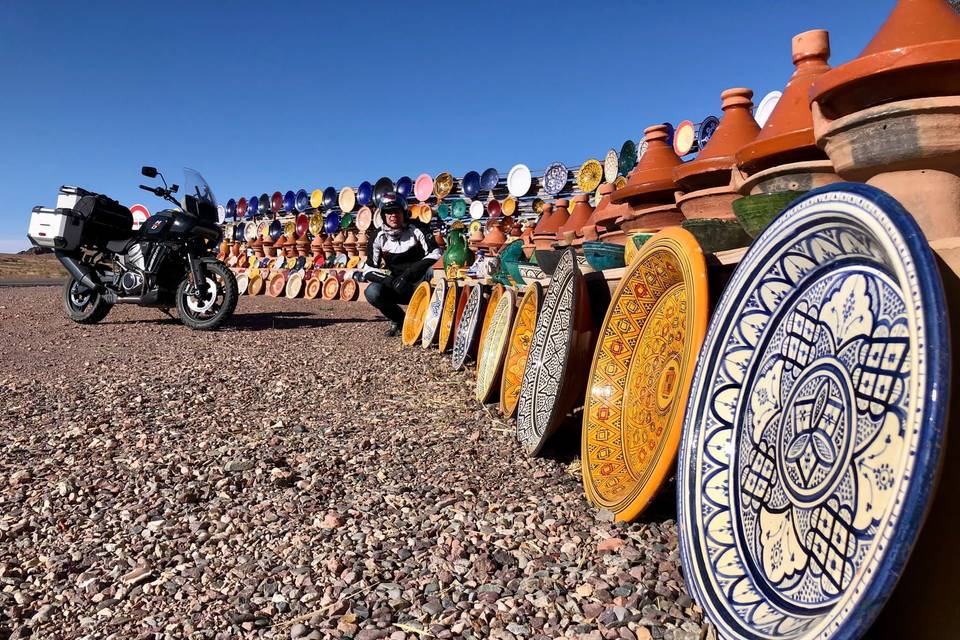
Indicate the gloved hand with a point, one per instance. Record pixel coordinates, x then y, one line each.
402 286
375 275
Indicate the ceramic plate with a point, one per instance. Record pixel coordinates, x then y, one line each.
815 424
312 288
619 183
253 205
294 284
432 320
642 148
628 158
519 180
611 165
241 207
476 209
364 193
243 281
766 107
509 206
231 209
489 179
493 346
364 218
353 262
555 375
329 198
521 337
494 209
590 175
302 202
443 185
289 229
316 223
443 211
416 312
383 186
264 206
255 285
705 131
263 230
404 187
276 202
276 284
447 316
331 288
467 328
276 230
537 206
684 138
640 376
331 223
250 231
491 306
289 201
423 187
555 178
302 225
471 184
316 198
347 199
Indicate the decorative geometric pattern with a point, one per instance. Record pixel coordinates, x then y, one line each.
521 338
547 363
641 374
467 328
447 316
416 312
493 344
590 175
815 421
432 321
555 178
495 294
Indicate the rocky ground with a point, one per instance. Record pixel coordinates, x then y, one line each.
297 475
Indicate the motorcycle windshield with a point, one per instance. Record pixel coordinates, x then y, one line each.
194 185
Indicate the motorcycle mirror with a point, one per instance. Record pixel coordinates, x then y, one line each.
150 172
174 188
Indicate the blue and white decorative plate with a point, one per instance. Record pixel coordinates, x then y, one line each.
815 423
555 178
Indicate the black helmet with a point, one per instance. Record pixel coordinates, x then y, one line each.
392 203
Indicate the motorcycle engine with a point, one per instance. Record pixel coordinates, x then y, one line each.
132 264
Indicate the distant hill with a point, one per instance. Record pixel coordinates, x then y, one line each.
27 266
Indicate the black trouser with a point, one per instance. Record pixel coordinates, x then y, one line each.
387 300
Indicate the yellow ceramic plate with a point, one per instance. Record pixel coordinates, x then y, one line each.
353 262
620 182
447 316
493 344
289 229
508 206
590 175
518 347
316 198
316 223
416 312
475 226
495 294
290 263
641 374
443 185
537 206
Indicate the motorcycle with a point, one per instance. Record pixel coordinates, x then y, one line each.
168 262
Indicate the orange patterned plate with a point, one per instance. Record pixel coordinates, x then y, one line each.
331 288
448 315
313 288
518 346
255 286
416 312
276 284
493 346
348 290
641 373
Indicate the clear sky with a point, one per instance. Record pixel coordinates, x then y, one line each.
261 96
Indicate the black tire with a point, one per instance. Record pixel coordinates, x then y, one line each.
222 300
83 307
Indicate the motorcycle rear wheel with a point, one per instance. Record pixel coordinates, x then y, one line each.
210 312
83 306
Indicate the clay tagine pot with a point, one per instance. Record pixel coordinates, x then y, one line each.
267 248
338 242
257 246
494 238
303 246
579 216
705 183
891 117
316 247
648 200
785 156
350 244
561 214
362 240
545 232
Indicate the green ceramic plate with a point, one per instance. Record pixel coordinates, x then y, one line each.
459 208
628 157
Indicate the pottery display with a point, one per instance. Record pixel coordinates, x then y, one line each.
471 184
493 345
451 302
294 284
555 374
468 327
423 187
890 117
590 175
416 312
815 423
640 376
364 193
347 200
253 205
519 180
579 215
331 288
611 165
489 179
432 319
289 202
349 290
442 185
555 178
603 255
518 348
476 209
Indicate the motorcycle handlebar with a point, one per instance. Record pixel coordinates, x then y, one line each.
153 190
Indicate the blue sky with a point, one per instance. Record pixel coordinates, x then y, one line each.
264 96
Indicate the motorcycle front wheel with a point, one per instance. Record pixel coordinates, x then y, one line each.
208 312
82 305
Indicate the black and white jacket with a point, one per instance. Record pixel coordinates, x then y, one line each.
409 255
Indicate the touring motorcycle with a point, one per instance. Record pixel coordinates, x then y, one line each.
168 262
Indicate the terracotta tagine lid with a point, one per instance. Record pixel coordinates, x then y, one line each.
267 248
316 247
350 243
338 242
545 226
713 166
787 135
579 215
494 238
257 246
916 54
362 241
653 175
327 244
303 246
561 214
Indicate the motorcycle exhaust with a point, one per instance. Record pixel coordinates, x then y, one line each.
81 272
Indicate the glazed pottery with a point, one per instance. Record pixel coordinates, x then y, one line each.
423 187
640 376
496 292
547 259
518 348
241 207
590 175
555 178
766 106
754 213
509 206
489 179
456 254
415 315
255 285
316 199
717 234
442 185
329 198
347 199
611 165
276 230
705 130
556 372
289 201
476 209
891 116
519 180
458 208
603 256
404 187
349 290
250 231
294 284
364 218
316 224
264 207
650 191
628 158
493 208
635 240
243 282
382 187
468 326
253 205
531 272
448 315
231 209
331 288
277 283
815 424
312 288
365 193
432 319
302 201
471 184
493 345
301 225
331 222
685 139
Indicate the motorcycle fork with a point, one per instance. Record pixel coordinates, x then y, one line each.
199 280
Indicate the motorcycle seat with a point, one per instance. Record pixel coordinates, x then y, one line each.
119 246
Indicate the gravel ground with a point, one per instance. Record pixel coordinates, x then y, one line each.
298 475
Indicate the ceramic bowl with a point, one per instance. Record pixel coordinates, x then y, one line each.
635 240
443 185
329 198
331 223
241 207
264 207
716 235
364 218
685 138
276 202
628 157
347 199
471 184
253 205
289 201
509 206
706 129
316 198
364 193
555 178
423 187
531 272
443 211
302 225
231 209
519 180
756 212
476 209
590 175
404 187
494 209
603 255
302 201
489 179
276 230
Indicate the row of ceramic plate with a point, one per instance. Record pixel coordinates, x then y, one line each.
805 419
